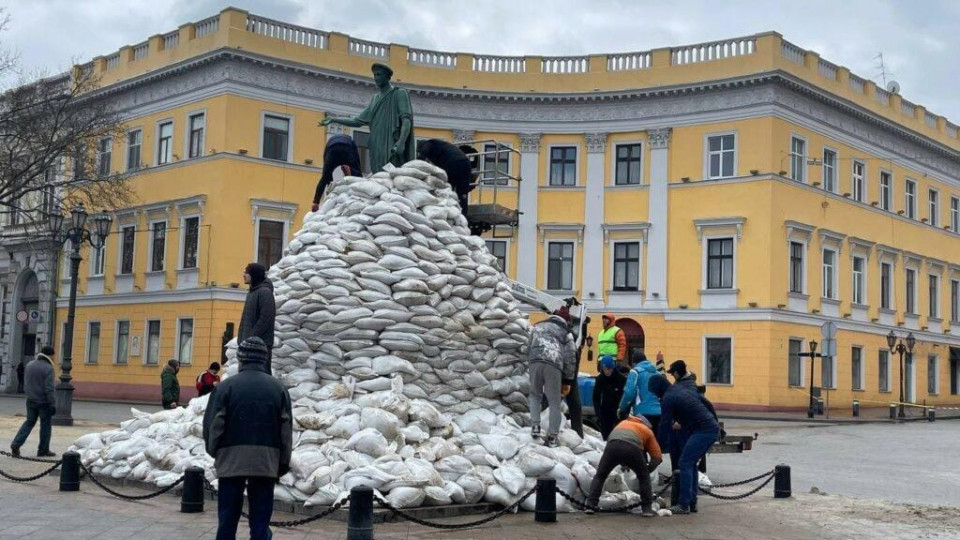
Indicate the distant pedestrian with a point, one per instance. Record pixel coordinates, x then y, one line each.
628 445
607 391
41 402
169 385
20 368
208 380
248 429
259 310
552 359
637 397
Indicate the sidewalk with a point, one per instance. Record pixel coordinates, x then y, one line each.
872 415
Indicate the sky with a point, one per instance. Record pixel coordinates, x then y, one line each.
919 40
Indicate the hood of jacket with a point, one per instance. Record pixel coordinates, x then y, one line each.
646 367
169 369
558 320
265 284
658 385
42 356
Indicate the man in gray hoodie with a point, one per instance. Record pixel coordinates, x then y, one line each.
41 402
552 356
259 310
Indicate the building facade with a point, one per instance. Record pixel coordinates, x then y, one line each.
724 200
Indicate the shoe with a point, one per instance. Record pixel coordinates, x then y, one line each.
693 508
588 511
679 509
647 511
535 432
551 441
15 450
46 454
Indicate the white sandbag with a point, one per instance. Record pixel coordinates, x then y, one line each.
511 478
368 441
405 497
502 446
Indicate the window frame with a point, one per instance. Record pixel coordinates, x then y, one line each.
707 258
834 184
87 357
626 261
933 293
104 150
707 154
628 160
859 286
705 361
857 384
158 154
796 159
933 207
954 300
146 341
831 362
910 288
802 277
858 183
190 131
181 258
955 214
506 251
133 250
138 165
910 198
886 292
116 343
285 224
290 130
883 374
151 245
576 165
886 190
193 330
799 360
95 272
573 264
936 374
832 293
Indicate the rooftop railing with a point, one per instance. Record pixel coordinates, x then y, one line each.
286 32
207 26
827 69
372 49
857 84
717 50
565 64
171 40
141 50
432 58
628 61
792 53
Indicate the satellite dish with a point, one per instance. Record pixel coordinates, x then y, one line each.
893 87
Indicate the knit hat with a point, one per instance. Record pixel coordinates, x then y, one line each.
678 368
658 385
609 315
257 273
253 349
564 313
607 361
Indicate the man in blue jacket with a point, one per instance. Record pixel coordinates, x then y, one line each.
700 426
637 395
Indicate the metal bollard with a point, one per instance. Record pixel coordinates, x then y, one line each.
675 488
931 414
546 507
781 482
191 500
70 472
856 408
893 411
360 522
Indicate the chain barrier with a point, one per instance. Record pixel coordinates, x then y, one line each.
23 479
130 497
286 524
25 458
742 482
454 526
710 493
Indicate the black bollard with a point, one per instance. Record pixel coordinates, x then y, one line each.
360 523
546 507
931 414
191 500
856 408
675 488
70 472
893 411
781 482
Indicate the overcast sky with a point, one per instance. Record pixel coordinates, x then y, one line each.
920 40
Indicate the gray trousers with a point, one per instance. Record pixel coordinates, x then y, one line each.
545 381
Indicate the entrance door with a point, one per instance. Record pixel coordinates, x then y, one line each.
910 379
634 334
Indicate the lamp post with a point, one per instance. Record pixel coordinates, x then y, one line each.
76 232
811 409
899 348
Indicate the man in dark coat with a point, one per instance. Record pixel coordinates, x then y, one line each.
454 162
340 153
259 310
248 429
607 392
169 385
41 403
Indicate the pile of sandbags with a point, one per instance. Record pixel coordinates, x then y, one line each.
404 354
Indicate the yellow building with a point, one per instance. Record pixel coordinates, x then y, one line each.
724 199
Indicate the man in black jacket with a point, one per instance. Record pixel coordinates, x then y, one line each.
454 162
607 391
41 403
259 310
340 153
248 429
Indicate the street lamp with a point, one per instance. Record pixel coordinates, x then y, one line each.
811 409
76 233
900 348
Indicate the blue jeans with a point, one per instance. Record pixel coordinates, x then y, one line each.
695 448
42 411
230 504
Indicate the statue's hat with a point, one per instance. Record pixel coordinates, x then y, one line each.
388 69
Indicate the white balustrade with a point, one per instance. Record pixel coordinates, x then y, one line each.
718 50
565 64
953 130
827 69
882 96
307 37
372 49
171 40
207 26
930 119
628 61
500 64
432 58
907 108
792 53
856 84
141 50
113 60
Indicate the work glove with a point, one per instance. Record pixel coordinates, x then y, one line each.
314 207
564 390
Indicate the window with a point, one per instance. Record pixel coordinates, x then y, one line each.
96 261
197 125
829 273
886 271
859 182
826 372
626 266
628 164
829 170
185 341
911 291
859 284
883 371
934 311
954 300
933 201
798 159
127 239
796 267
104 156
122 350
795 363
955 214
856 367
910 199
158 245
269 242
496 165
276 137
886 190
165 143
80 162
721 155
933 375
93 342
563 166
560 266
720 263
719 360
134 141
152 357
498 248
191 241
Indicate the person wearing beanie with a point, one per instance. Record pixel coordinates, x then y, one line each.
698 424
169 385
259 310
607 391
611 340
629 445
248 429
637 398
552 360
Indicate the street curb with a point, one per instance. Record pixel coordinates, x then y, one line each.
832 422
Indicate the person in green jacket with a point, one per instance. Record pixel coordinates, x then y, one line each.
169 385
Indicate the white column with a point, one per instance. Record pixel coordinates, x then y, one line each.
527 229
656 288
593 263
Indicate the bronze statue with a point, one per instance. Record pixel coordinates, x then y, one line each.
390 117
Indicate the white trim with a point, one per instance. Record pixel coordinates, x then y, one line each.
933 217
186 139
706 154
184 216
156 141
889 388
790 155
116 342
836 171
703 364
508 242
576 164
802 359
803 265
955 214
890 189
704 259
915 268
707 224
613 163
133 267
157 297
86 345
166 228
611 243
835 270
931 299
865 192
126 149
863 300
912 207
193 335
92 273
145 356
546 263
545 228
290 128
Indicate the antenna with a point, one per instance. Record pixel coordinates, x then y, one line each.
883 68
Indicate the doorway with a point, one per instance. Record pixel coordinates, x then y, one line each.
633 332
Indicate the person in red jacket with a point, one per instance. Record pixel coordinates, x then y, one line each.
208 380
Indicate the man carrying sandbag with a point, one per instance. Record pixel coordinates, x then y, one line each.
628 445
248 429
552 357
